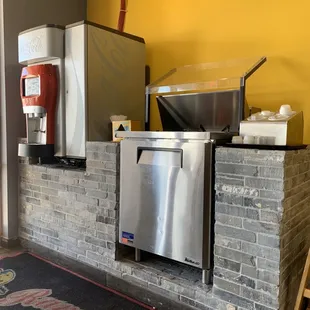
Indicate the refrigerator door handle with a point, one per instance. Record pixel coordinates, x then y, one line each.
157 156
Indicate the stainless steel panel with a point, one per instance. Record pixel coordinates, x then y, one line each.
166 210
116 81
75 81
60 120
212 111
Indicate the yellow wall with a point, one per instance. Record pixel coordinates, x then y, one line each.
179 32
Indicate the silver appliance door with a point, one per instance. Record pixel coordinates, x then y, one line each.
162 198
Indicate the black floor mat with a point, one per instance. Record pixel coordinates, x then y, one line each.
27 282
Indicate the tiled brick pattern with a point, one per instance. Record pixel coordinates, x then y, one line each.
261 232
262 216
295 234
74 212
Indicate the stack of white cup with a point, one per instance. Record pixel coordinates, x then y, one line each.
253 140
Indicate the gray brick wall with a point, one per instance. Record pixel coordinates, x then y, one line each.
262 214
74 212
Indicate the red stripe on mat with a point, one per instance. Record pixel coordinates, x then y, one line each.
84 278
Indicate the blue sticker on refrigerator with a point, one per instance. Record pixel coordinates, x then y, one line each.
127 238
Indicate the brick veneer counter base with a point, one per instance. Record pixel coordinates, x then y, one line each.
262 214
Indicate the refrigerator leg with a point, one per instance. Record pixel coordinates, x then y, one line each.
206 276
137 255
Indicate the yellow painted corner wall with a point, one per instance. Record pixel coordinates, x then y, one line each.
179 32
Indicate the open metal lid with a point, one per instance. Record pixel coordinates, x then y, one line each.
212 76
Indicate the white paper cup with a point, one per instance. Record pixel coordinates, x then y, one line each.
285 109
248 140
237 140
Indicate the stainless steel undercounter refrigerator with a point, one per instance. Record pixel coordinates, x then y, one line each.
167 177
166 194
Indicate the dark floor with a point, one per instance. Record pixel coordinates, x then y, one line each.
140 293
27 274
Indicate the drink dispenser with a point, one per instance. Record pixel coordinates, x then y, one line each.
75 78
39 89
42 51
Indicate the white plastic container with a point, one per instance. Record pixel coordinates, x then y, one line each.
248 140
237 140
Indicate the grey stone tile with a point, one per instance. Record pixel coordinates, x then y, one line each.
249 271
267 264
236 233
228 242
227 264
261 251
237 190
233 299
243 170
269 241
229 199
260 203
271 172
261 227
193 303
259 297
226 285
228 220
235 255
268 276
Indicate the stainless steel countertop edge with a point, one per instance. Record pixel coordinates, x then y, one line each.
173 135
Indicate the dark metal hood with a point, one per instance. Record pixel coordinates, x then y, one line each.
217 111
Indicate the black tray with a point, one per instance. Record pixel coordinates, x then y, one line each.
267 147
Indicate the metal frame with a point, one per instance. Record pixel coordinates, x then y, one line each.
243 80
3 188
147 98
241 101
174 135
255 67
208 219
